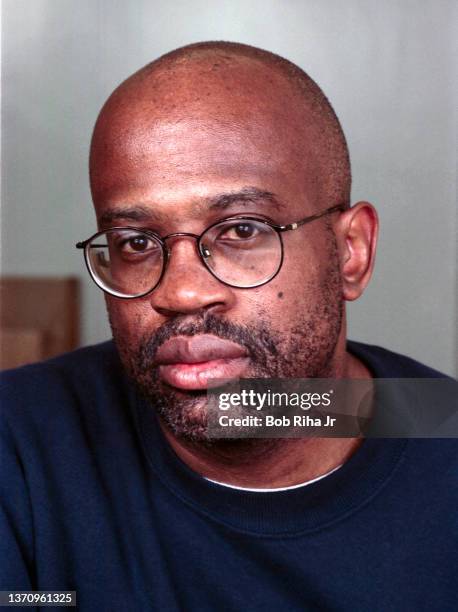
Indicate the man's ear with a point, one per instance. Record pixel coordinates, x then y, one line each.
356 233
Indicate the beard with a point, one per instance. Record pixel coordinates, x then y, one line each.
305 350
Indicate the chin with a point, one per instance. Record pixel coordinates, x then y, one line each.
184 414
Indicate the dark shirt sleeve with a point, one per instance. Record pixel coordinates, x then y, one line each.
16 525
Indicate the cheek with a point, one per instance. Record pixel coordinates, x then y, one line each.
298 278
129 319
282 304
304 285
309 262
304 260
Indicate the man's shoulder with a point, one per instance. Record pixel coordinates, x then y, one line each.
415 400
387 364
82 361
78 377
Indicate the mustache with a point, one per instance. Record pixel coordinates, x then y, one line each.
258 341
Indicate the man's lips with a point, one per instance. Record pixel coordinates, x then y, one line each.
189 363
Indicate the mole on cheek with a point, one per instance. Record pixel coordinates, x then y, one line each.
280 294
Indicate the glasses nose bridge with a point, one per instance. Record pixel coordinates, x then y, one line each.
182 235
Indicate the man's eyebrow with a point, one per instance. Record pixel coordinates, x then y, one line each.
142 214
129 213
249 195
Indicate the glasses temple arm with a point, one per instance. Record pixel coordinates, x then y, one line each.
328 211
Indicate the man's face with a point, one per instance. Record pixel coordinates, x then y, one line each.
164 173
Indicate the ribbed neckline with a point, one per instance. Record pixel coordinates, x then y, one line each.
282 513
275 490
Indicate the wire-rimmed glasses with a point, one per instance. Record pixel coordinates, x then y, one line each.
241 251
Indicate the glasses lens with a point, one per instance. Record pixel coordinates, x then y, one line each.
242 252
125 262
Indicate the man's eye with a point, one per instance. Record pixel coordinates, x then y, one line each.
241 231
137 244
140 243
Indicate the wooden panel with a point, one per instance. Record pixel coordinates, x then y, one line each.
39 318
21 346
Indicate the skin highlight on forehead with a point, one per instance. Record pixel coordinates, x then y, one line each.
227 90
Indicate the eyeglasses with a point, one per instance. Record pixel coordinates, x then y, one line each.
242 252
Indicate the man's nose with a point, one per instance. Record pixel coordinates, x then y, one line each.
187 287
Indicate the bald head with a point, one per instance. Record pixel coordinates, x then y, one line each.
231 91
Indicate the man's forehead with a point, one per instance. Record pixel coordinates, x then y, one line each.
210 144
203 158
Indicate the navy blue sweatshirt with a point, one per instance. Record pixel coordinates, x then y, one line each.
94 500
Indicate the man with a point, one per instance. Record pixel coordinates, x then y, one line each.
226 248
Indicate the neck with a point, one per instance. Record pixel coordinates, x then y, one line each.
265 463
271 463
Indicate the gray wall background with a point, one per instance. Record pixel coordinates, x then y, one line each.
387 67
